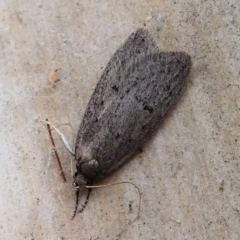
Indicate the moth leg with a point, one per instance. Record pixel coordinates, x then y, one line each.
86 201
76 204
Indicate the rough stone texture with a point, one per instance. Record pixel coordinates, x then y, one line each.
188 173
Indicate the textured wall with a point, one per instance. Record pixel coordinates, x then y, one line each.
188 173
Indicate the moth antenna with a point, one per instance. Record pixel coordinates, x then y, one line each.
77 200
64 140
76 204
86 201
111 184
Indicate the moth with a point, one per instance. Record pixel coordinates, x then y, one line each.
137 88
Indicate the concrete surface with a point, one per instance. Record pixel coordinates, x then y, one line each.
189 173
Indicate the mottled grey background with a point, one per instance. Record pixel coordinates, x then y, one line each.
189 172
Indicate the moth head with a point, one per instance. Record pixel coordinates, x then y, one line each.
79 180
86 171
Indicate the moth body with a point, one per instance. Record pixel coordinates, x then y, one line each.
137 88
